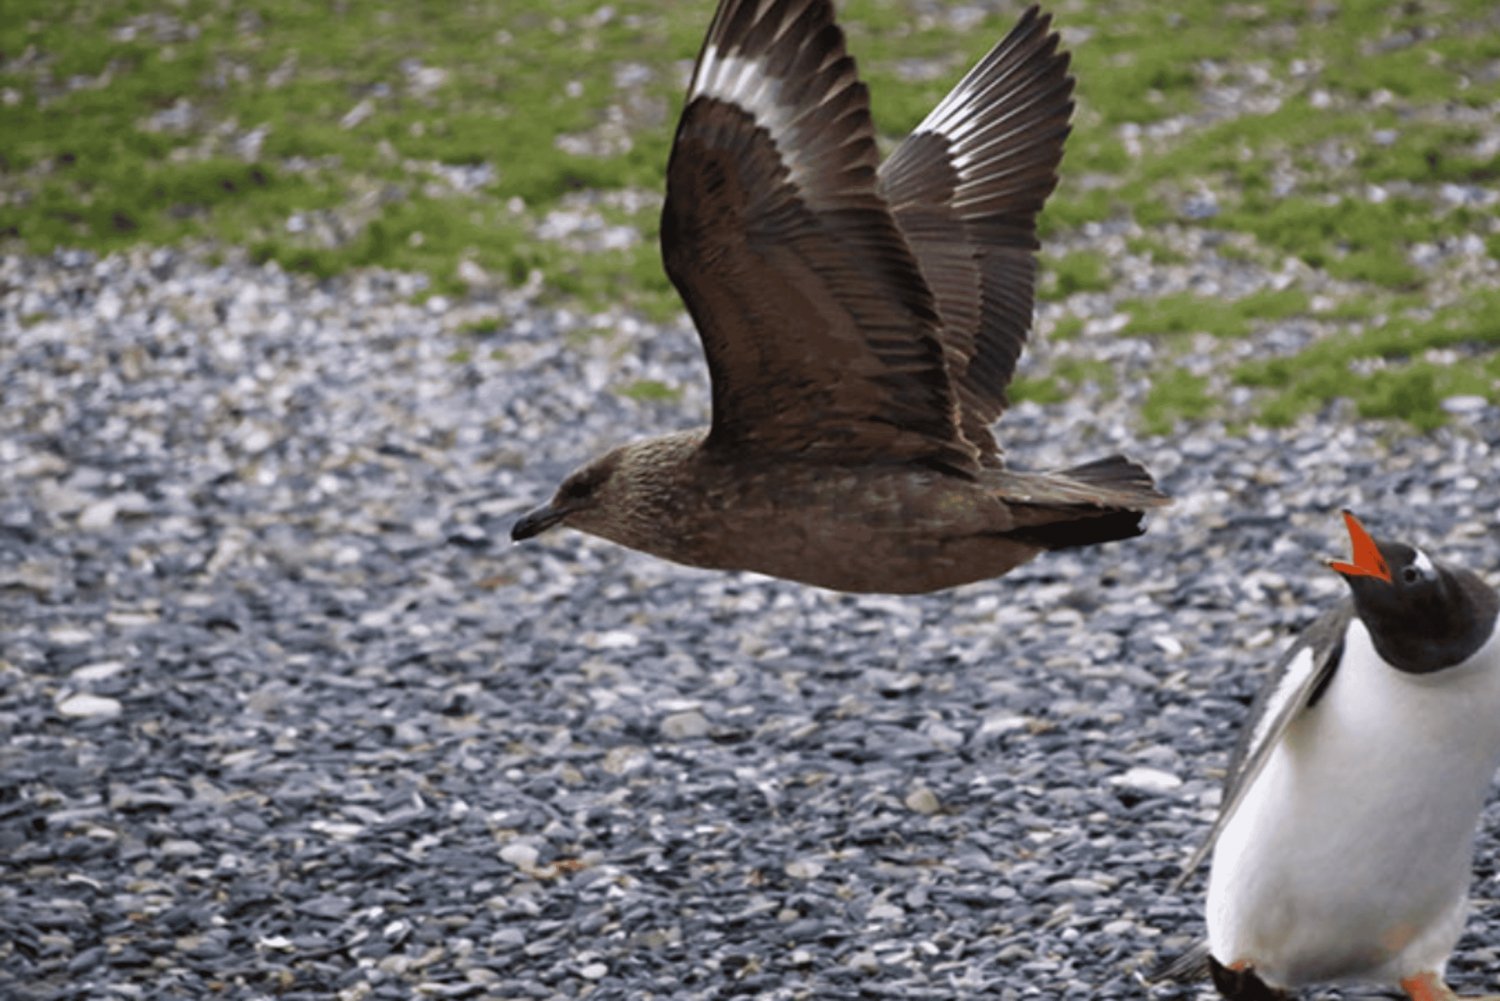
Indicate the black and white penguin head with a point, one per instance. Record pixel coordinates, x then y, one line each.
1423 615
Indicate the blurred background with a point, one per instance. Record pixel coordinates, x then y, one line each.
1340 157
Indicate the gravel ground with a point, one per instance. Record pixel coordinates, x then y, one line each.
286 715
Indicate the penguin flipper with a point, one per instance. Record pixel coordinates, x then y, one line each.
1294 685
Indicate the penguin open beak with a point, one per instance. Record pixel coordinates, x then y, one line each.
1366 558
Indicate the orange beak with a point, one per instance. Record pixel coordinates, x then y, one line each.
1367 561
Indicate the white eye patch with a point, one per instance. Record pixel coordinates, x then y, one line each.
1423 565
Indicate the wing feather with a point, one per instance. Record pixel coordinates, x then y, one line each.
819 329
966 188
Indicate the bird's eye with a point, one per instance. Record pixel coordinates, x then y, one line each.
579 488
1411 575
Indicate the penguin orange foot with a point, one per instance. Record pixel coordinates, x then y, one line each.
1430 986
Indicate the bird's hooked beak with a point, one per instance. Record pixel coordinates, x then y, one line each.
536 522
1366 560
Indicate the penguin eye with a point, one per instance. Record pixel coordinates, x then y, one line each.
1419 569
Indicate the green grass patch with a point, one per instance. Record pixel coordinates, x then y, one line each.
1176 394
481 328
1069 208
1042 389
193 123
1383 369
1080 271
1354 239
1061 380
1067 328
650 390
1157 249
1184 313
1428 152
1412 393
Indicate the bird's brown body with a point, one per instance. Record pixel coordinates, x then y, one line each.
871 527
860 321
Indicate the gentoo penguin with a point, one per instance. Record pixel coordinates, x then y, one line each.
1342 851
861 321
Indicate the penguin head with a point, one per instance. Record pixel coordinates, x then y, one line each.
1422 615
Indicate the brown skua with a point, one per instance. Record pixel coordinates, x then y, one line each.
861 322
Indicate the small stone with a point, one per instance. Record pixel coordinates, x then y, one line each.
86 706
70 636
357 114
180 848
614 639
327 905
1465 404
1079 886
687 725
1147 780
804 869
1169 645
520 854
923 800
98 671
508 938
98 516
999 723
619 760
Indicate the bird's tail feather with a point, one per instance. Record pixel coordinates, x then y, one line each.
1089 528
1099 501
1114 482
1118 478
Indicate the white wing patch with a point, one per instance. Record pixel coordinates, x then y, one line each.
967 120
952 118
744 83
972 160
957 120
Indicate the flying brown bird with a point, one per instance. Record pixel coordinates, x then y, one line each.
861 322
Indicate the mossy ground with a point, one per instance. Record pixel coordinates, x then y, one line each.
1339 139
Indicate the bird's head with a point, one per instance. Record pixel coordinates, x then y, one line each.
1422 615
578 498
619 496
